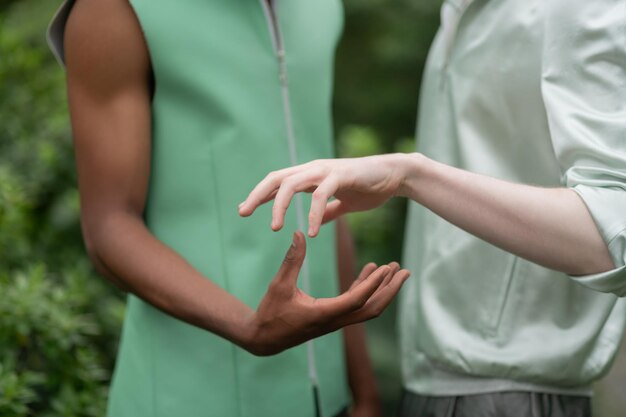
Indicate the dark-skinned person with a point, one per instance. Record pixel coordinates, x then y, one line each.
177 108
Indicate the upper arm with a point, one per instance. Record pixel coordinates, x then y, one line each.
109 74
584 91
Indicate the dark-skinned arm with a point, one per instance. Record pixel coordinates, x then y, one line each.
366 401
109 79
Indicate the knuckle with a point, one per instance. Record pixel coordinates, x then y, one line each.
291 256
289 184
286 188
377 310
318 194
278 208
270 177
338 172
289 260
357 303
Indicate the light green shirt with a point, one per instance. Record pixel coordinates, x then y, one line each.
534 92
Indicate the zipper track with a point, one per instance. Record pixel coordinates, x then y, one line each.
271 16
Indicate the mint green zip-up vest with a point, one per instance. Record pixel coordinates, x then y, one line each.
236 96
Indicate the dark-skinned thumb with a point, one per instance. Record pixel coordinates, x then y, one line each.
294 258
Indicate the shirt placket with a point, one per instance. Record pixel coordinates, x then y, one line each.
451 13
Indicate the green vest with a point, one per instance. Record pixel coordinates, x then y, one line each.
228 108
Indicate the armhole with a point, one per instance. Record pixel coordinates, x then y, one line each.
56 30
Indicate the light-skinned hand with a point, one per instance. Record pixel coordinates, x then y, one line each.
357 184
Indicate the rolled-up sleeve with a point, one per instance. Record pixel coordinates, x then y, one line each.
584 92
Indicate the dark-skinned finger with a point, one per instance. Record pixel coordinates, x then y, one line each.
381 299
292 263
394 267
378 302
365 272
353 299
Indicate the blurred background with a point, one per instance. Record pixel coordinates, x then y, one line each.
59 322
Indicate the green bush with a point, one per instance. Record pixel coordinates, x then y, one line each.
59 323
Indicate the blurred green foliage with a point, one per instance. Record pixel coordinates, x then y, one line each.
59 322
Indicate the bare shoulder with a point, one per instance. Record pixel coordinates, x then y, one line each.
104 47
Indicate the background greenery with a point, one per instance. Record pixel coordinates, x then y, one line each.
59 322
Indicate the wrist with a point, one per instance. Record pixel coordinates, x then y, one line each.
364 388
369 406
410 167
254 338
246 335
366 396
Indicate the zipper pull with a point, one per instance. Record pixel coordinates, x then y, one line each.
282 76
283 79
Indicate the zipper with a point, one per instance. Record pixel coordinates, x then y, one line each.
271 17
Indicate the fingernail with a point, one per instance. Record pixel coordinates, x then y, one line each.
241 204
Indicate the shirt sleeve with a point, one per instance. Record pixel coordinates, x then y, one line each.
584 91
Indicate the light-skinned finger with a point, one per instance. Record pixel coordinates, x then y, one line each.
319 200
289 187
265 200
264 189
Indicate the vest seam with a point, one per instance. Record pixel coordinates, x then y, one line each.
224 271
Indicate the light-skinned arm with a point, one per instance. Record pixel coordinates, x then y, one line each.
109 89
549 226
